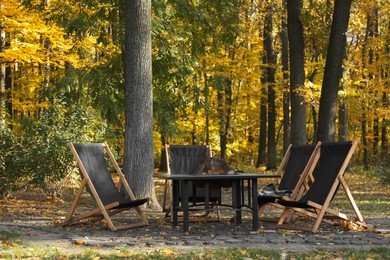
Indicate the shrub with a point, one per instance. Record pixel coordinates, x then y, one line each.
12 162
41 155
58 126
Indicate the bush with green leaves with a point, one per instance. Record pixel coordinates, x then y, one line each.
13 159
58 126
41 156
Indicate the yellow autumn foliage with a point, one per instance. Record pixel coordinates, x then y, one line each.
34 44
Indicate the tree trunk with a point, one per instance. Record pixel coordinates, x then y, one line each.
207 108
225 122
384 142
364 136
375 143
286 93
343 122
374 32
270 65
261 159
138 155
2 78
385 105
297 72
333 69
369 33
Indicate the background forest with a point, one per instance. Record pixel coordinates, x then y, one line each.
61 80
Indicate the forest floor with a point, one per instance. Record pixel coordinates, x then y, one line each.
33 219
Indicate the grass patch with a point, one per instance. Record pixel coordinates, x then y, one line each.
374 253
9 236
9 240
166 253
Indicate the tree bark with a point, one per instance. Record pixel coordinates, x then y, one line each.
138 155
368 34
384 141
225 122
2 78
286 93
373 32
364 136
333 71
343 122
261 158
207 107
297 72
270 71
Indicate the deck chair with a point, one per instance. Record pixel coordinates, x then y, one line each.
184 159
97 179
329 174
298 162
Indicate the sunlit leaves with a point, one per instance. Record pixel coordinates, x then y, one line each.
72 49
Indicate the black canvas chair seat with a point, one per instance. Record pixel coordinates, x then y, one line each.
328 176
184 159
98 181
298 161
92 156
332 158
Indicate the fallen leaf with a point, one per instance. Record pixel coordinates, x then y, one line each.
167 251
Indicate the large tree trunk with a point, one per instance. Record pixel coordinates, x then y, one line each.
138 157
297 72
270 65
333 69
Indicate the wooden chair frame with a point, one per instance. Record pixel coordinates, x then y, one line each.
303 183
102 211
317 211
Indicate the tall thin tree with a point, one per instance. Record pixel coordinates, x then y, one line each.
262 152
270 65
286 92
2 77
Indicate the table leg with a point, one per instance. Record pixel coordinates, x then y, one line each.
184 201
175 202
242 187
206 194
236 200
255 206
249 193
